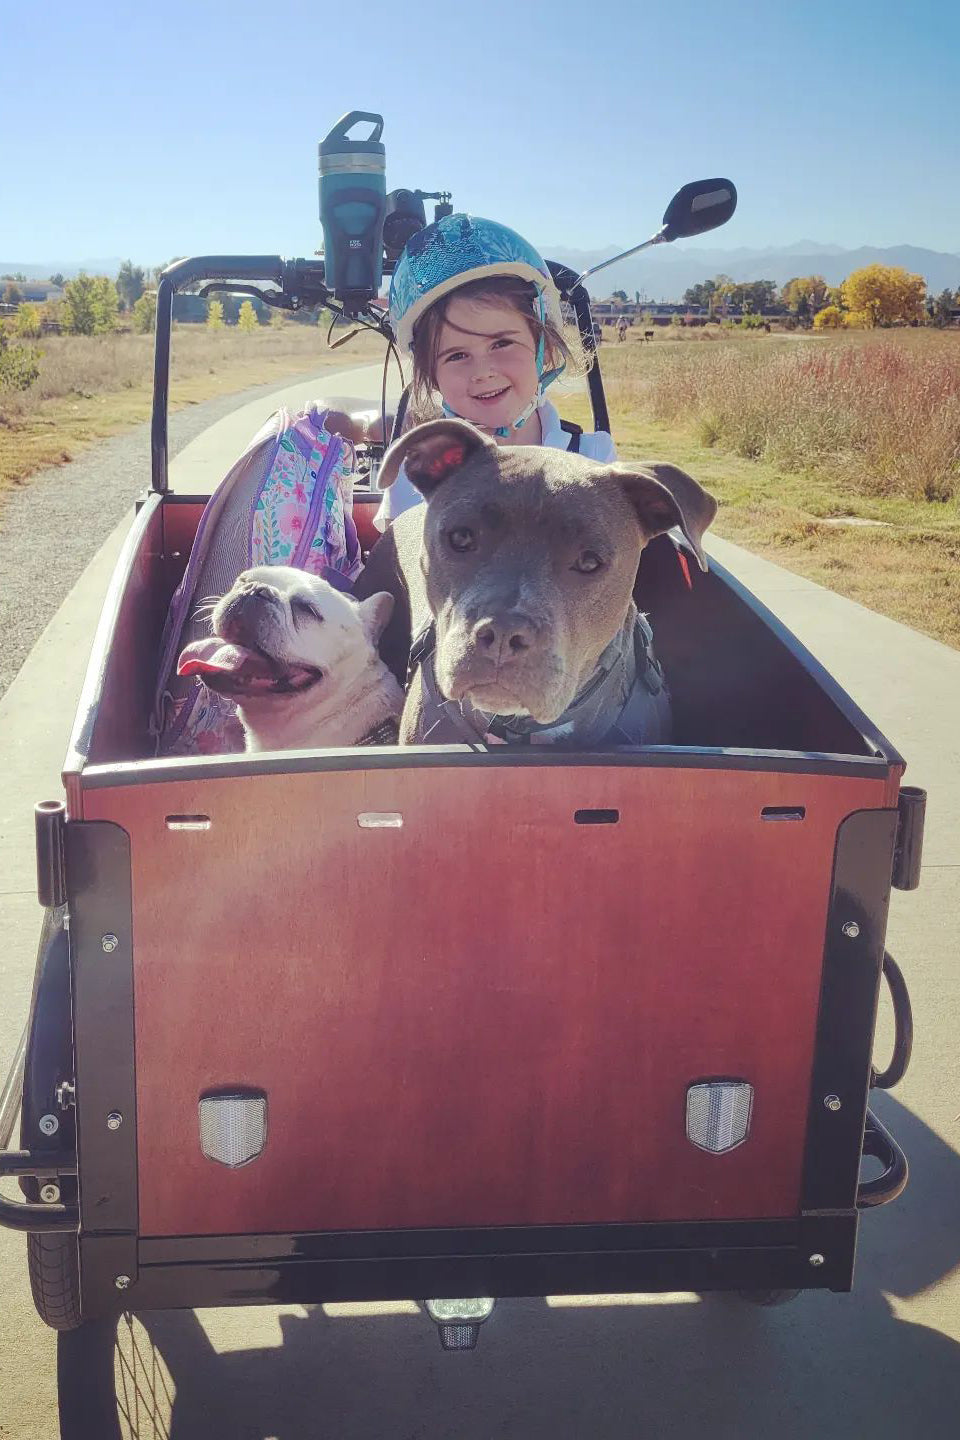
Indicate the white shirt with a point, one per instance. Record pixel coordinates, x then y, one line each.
402 495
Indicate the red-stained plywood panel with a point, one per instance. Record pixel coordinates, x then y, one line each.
364 510
489 1016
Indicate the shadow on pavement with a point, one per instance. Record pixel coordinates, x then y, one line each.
824 1366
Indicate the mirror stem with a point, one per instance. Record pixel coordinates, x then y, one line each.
659 239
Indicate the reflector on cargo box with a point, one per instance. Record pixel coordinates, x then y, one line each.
718 1114
233 1126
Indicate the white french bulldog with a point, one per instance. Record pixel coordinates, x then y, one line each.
300 660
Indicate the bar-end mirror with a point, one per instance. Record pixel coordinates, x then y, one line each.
701 205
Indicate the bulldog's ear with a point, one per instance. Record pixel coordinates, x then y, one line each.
375 613
432 453
664 496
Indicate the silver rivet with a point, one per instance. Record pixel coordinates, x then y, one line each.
851 929
122 1282
114 1120
816 1260
49 1194
832 1102
49 1124
109 943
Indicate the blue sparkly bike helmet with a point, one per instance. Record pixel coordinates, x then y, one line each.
456 250
453 251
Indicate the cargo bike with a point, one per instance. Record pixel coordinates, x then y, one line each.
452 1024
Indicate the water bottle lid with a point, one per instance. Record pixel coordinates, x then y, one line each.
338 142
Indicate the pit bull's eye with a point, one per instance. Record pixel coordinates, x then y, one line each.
588 562
461 539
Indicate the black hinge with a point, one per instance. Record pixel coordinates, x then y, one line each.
50 816
908 848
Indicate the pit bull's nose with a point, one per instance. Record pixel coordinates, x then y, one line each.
505 637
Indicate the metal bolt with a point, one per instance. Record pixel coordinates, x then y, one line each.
832 1102
109 943
50 1194
851 929
114 1120
49 1124
122 1282
816 1260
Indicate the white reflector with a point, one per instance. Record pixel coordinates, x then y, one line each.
460 1312
233 1128
718 1114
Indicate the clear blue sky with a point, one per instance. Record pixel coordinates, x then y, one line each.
180 128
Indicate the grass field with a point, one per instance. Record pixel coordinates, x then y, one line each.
835 456
90 388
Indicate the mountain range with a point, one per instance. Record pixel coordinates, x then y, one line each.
665 272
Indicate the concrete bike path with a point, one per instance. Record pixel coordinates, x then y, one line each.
882 1362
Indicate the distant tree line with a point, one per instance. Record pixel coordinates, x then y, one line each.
97 305
877 295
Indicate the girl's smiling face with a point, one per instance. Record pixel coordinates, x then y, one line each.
486 363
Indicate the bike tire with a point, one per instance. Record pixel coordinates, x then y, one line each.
54 1268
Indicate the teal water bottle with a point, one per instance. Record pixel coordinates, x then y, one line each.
353 195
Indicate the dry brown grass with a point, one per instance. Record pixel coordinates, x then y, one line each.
882 410
90 388
806 471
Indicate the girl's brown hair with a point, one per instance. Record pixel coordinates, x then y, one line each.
499 289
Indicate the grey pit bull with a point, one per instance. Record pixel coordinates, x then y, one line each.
519 574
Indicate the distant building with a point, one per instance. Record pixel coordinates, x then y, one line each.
34 292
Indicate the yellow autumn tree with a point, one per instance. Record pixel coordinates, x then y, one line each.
215 315
884 295
829 318
247 319
27 322
804 295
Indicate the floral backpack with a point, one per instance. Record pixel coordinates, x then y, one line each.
288 500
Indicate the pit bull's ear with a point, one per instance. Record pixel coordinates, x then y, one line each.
375 613
432 453
664 496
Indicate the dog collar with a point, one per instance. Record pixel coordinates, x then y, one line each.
625 701
386 733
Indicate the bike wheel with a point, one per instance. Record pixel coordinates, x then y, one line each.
113 1383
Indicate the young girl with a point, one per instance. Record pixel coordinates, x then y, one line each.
479 311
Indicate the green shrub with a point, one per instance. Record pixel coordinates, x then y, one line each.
144 314
19 365
90 305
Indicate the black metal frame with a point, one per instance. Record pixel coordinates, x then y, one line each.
299 284
849 993
42 1063
815 1249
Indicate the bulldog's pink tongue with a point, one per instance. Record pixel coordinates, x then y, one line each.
220 657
